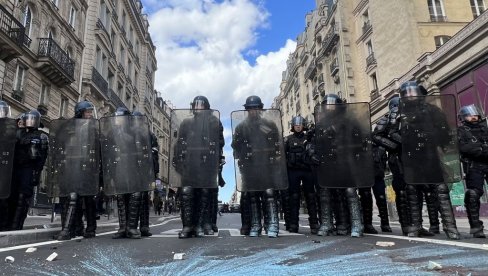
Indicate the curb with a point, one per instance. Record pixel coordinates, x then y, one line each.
21 237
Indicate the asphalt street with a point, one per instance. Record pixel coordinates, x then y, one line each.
229 253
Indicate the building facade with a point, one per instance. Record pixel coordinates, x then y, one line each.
356 48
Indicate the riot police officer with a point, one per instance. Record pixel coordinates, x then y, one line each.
255 143
72 206
144 212
197 153
473 145
426 125
30 155
8 130
299 176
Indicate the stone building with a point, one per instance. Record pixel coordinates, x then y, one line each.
356 48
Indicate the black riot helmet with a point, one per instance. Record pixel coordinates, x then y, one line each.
122 111
412 89
4 110
469 110
332 99
32 119
253 102
83 106
394 102
200 102
298 121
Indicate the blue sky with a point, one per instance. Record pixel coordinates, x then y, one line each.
226 50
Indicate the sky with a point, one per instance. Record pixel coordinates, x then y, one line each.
225 50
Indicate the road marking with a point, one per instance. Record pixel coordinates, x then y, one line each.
6 249
234 232
442 242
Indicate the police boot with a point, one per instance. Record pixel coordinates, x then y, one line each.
383 213
285 204
433 211
133 218
20 212
341 213
472 203
326 227
403 210
79 225
186 213
68 223
121 210
414 202
367 207
447 214
245 214
294 205
3 215
272 217
214 209
310 200
355 213
256 225
144 213
203 226
91 217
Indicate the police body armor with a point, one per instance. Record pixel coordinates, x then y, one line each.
74 157
126 154
259 156
343 146
295 151
8 129
195 148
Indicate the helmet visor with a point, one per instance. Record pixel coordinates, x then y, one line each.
410 90
4 111
89 113
298 121
330 100
32 120
470 110
199 104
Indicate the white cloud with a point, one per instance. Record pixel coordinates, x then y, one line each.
200 47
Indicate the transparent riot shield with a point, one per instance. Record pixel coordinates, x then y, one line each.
343 145
8 129
195 148
126 154
74 157
430 152
259 156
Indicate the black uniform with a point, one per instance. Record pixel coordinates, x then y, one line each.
144 211
473 145
299 172
30 155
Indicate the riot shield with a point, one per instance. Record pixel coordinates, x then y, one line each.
8 129
126 154
428 128
195 148
74 157
259 156
343 145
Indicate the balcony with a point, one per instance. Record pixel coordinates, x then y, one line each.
370 60
115 99
121 68
311 70
334 67
18 95
100 82
101 26
367 27
43 109
375 94
438 18
315 93
330 40
12 36
55 63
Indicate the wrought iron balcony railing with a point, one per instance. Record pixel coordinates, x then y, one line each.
370 60
330 39
375 94
366 27
334 67
49 48
115 99
438 18
100 82
13 28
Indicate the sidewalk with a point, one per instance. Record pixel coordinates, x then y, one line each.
40 228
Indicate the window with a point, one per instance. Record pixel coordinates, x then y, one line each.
129 69
478 7
436 10
136 76
19 78
63 109
374 82
112 37
28 21
124 19
440 40
55 3
111 78
120 90
44 97
99 61
369 46
72 17
122 54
